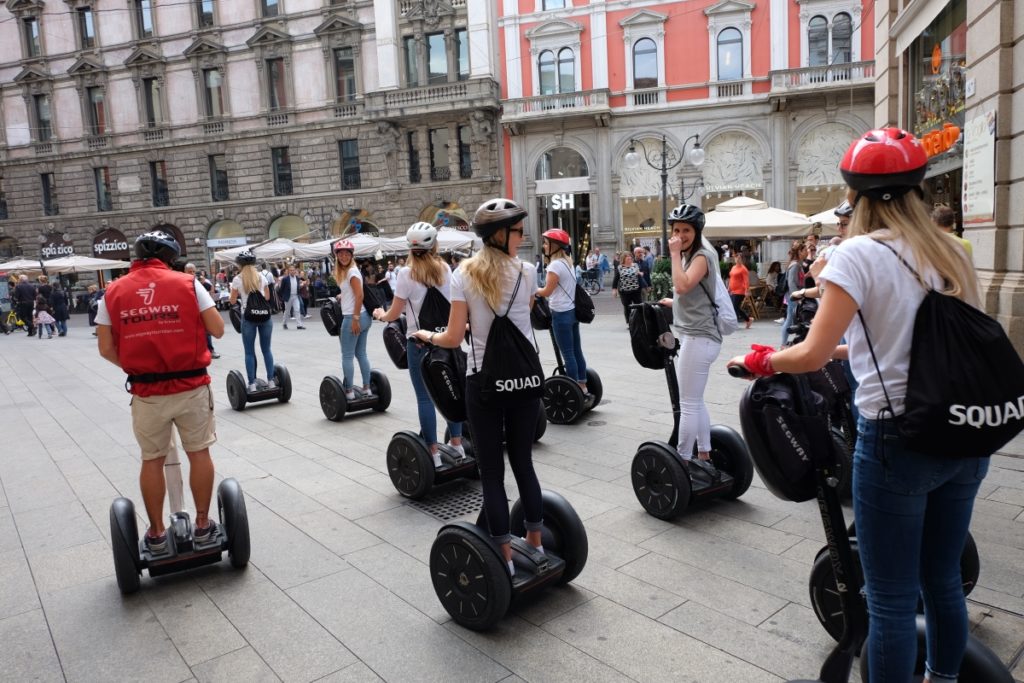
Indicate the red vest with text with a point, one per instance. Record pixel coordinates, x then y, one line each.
157 327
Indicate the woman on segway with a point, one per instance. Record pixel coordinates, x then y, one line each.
694 270
247 281
355 321
560 288
493 291
427 272
919 503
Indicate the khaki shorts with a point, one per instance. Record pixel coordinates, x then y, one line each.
190 411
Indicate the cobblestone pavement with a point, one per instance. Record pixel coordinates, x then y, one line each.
338 588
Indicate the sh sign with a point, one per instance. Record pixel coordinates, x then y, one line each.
563 201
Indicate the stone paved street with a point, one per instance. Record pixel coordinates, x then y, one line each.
338 587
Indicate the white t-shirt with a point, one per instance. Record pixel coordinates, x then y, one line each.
243 296
392 277
480 314
202 296
888 295
564 297
347 297
415 292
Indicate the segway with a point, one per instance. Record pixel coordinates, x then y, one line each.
335 405
470 576
132 556
239 394
412 469
803 466
563 398
664 482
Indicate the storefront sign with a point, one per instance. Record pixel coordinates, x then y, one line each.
55 246
978 198
111 244
222 242
938 141
563 201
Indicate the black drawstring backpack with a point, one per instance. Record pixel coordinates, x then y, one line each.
965 386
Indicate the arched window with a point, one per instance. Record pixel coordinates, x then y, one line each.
817 42
645 64
842 30
566 71
546 64
561 162
730 55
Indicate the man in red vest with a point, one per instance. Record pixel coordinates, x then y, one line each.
152 323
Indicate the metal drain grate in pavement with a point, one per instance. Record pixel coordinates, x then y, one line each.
450 504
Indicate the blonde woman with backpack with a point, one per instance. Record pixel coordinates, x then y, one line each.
248 281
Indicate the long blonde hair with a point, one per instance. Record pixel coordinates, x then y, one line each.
252 281
426 267
907 218
561 253
484 273
341 274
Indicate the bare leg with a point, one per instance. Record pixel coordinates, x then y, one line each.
200 480
151 481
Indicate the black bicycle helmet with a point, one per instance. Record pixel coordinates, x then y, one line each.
496 214
157 244
245 258
844 210
687 213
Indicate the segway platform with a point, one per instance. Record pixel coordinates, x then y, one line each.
335 406
239 394
411 466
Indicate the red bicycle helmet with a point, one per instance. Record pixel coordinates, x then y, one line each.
560 237
343 245
884 163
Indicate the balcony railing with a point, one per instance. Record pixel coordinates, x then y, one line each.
730 89
346 110
213 128
465 171
474 93
161 198
277 120
587 102
104 204
283 186
647 97
44 148
440 173
220 193
351 181
153 135
97 141
406 6
817 77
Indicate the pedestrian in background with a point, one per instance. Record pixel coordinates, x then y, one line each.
739 287
59 305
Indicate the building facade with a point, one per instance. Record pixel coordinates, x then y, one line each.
226 121
952 66
772 91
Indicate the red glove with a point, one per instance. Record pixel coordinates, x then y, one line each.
759 361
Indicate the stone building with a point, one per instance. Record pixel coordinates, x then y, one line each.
227 121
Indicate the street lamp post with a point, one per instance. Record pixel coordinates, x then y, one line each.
324 218
696 158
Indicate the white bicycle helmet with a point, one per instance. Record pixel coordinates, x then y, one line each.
421 236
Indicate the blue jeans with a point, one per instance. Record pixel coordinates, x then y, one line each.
62 327
912 512
249 330
353 346
567 336
425 407
790 317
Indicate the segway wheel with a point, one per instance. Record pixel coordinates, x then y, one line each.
469 577
729 453
410 465
594 386
284 381
563 532
332 398
563 400
231 509
236 390
124 541
542 426
381 389
659 481
825 594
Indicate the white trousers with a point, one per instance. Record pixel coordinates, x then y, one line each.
294 307
693 365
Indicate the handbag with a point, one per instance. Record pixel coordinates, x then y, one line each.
965 385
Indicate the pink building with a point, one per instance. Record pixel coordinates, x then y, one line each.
772 91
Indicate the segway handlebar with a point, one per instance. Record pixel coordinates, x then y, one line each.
740 371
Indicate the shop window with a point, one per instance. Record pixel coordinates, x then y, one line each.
30 32
730 55
277 92
152 102
282 167
219 178
414 157
104 201
344 75
561 162
86 28
204 13
437 59
213 97
269 8
97 109
412 71
462 53
158 183
439 169
465 153
44 128
143 15
348 151
645 64
49 184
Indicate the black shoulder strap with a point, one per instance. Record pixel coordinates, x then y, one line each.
904 262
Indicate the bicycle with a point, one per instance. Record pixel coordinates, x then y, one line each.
590 282
13 322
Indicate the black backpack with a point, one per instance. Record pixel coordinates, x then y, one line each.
395 342
257 309
965 386
444 375
511 371
650 335
433 314
330 315
782 285
582 302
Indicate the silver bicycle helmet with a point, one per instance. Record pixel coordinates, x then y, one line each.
844 210
495 214
687 213
421 236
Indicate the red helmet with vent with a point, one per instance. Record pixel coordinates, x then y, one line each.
560 237
884 163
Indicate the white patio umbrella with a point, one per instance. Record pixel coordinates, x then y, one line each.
272 250
828 220
20 264
746 217
366 246
448 240
82 264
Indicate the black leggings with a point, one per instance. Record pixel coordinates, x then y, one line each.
630 298
518 425
737 305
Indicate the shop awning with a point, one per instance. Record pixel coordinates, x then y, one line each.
82 264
